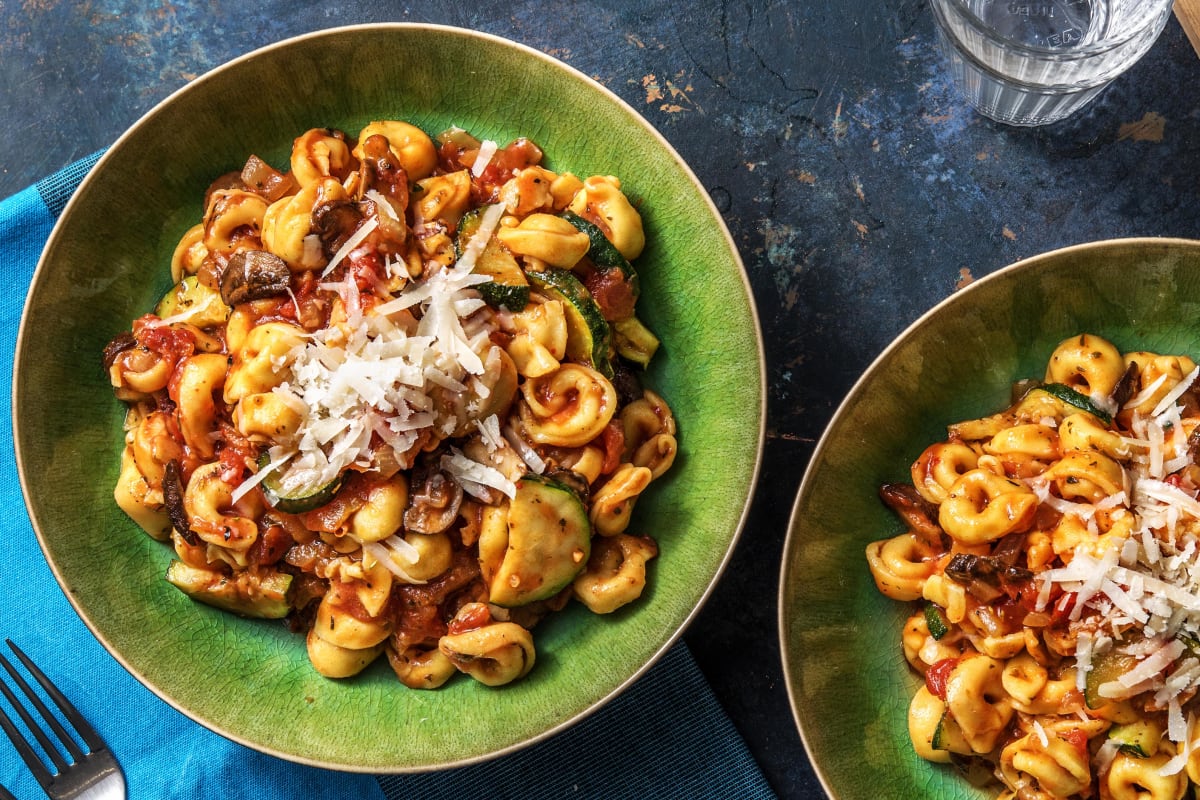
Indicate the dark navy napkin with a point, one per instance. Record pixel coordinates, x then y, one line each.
666 737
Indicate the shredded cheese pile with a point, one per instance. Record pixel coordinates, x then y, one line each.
1142 595
399 370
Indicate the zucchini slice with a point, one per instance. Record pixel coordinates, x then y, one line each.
938 627
589 337
1139 739
549 542
509 286
294 502
194 303
1106 667
1065 395
250 594
949 736
602 252
634 341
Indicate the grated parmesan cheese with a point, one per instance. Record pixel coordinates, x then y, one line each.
254 480
1147 583
1040 732
394 553
358 237
524 450
472 475
1145 394
1168 401
489 221
382 203
381 377
487 149
489 432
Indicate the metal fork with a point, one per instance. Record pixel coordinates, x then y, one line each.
91 775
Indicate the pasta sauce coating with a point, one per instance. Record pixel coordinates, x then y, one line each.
1051 552
381 403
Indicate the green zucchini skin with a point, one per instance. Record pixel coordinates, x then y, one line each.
603 253
949 736
549 543
1074 398
263 595
935 622
295 503
589 336
509 287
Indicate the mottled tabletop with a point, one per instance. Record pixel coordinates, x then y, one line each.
858 186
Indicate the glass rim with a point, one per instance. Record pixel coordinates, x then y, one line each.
968 16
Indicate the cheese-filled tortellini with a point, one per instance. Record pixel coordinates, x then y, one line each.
258 364
1046 554
288 223
320 153
548 238
568 407
602 202
411 146
380 402
233 221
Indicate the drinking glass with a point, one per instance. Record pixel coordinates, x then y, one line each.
1032 62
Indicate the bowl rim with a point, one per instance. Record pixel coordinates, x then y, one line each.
408 28
793 537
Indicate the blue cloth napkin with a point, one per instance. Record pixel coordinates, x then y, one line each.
666 737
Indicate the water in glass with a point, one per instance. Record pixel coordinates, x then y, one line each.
1030 62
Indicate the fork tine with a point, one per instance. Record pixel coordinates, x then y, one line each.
78 722
26 752
38 731
86 774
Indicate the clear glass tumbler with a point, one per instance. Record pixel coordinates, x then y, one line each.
1026 62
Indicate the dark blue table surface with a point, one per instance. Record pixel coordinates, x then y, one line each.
859 188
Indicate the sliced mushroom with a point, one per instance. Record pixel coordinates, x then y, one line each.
985 576
173 499
434 502
1126 386
918 513
382 172
334 221
1193 444
120 343
254 275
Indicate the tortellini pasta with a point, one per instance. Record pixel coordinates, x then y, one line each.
371 407
547 238
1050 550
320 153
602 201
568 407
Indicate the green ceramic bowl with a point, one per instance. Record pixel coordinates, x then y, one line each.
848 682
107 261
